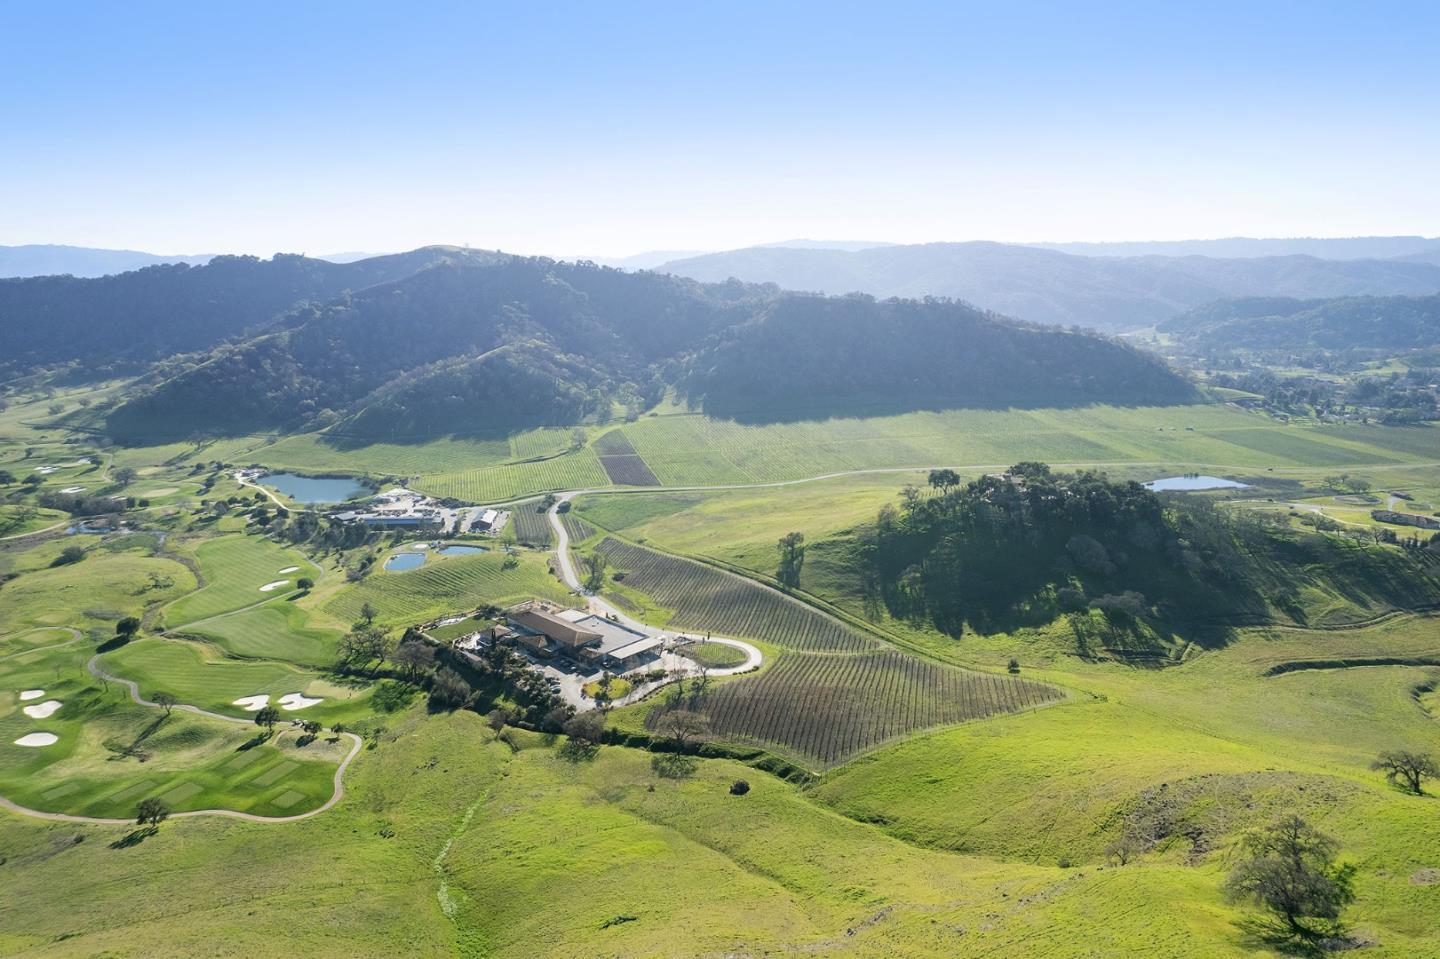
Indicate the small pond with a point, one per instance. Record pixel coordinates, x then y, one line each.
461 550
1191 483
405 561
315 489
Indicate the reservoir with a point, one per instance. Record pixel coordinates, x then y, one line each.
315 489
404 561
1191 483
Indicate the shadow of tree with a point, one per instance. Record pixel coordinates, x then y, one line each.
134 838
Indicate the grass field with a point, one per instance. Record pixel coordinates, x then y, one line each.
454 585
95 592
983 838
235 568
493 484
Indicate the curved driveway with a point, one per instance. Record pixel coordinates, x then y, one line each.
753 656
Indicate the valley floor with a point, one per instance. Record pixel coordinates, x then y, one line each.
920 836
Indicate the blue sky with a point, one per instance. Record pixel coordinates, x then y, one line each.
606 129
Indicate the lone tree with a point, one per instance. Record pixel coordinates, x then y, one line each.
944 480
1407 769
1290 870
368 613
151 812
305 583
268 717
682 727
595 579
364 645
792 557
165 701
127 627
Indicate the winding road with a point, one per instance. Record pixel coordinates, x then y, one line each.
753 656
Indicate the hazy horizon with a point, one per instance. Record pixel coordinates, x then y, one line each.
576 131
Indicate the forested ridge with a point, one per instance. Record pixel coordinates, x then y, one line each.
120 322
1282 323
467 347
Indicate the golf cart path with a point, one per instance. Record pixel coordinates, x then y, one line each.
75 637
753 656
94 667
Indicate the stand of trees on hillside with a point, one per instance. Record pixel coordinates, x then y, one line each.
1033 544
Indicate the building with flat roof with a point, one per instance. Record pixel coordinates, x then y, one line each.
583 636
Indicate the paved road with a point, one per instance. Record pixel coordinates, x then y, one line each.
94 667
669 660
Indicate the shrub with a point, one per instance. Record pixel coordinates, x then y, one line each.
739 787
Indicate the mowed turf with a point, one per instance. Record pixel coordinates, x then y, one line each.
235 568
278 630
111 753
199 674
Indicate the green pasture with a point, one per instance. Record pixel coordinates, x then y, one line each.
235 567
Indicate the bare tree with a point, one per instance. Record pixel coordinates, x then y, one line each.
165 701
682 727
416 656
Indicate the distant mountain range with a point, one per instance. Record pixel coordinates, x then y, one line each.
442 341
1342 248
50 260
1048 286
83 261
1273 323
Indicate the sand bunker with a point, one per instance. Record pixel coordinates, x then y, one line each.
289 569
293 701
73 489
29 694
42 710
252 703
46 470
419 545
275 585
37 739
